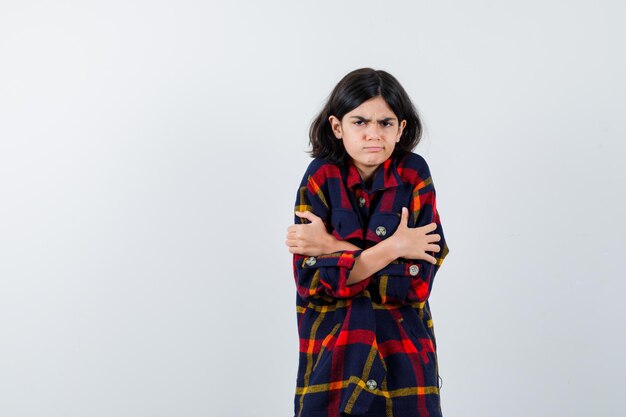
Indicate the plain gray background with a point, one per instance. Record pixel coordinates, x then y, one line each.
150 153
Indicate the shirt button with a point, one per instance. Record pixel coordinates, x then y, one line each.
361 202
381 231
310 261
414 269
371 384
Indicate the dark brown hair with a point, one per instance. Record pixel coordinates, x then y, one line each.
355 88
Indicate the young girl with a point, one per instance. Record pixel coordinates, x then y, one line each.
367 244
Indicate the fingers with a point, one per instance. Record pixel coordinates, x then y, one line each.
307 215
404 216
296 250
293 239
427 228
293 246
433 248
295 229
435 237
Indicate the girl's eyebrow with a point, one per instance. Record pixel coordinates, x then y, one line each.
386 119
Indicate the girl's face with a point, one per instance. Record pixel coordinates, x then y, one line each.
369 134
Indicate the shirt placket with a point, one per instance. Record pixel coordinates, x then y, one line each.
366 202
363 202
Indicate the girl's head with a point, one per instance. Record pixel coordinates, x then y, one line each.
368 118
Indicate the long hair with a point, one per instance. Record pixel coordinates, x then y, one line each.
355 88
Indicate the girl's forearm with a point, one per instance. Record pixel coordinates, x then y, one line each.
372 260
369 262
337 245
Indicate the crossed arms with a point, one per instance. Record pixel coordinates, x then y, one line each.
312 239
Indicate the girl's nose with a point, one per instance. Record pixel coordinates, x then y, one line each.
373 132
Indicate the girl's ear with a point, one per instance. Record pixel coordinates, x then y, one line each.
335 125
401 129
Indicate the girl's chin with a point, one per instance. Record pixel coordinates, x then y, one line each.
374 159
370 160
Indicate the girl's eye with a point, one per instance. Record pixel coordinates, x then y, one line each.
361 122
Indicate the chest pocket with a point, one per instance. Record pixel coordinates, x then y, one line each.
346 224
382 225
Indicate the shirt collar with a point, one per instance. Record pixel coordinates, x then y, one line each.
385 176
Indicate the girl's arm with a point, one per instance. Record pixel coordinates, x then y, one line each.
324 265
312 239
406 242
323 276
410 280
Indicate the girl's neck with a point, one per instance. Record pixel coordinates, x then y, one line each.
366 173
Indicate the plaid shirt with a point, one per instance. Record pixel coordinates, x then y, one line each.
372 342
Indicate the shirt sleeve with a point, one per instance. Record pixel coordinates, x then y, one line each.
409 280
325 275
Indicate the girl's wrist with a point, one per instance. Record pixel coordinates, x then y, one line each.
394 247
330 244
335 245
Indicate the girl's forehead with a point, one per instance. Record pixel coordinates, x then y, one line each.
376 105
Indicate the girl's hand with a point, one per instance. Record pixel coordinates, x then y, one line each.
310 239
414 242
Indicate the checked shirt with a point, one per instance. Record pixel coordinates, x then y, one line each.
373 341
